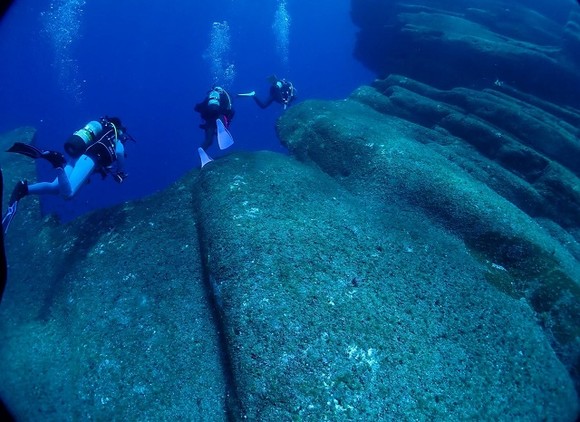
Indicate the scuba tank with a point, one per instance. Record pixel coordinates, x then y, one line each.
213 102
77 144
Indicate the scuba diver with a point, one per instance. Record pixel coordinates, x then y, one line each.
217 113
281 91
96 148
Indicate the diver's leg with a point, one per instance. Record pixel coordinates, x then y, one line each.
209 135
263 104
47 188
44 188
70 180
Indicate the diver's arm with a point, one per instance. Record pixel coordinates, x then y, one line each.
120 153
119 174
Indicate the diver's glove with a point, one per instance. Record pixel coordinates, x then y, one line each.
120 176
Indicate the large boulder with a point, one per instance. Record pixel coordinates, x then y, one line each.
339 305
270 288
510 224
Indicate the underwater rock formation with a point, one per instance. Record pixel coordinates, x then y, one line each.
461 158
336 295
446 44
343 305
416 257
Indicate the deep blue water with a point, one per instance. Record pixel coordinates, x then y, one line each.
66 62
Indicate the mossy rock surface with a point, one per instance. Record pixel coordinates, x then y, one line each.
337 305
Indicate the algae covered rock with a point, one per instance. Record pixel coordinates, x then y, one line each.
108 317
392 160
344 306
267 288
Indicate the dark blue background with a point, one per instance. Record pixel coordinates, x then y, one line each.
143 61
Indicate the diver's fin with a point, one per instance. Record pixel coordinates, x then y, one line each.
26 149
225 139
203 157
55 158
19 192
7 218
247 94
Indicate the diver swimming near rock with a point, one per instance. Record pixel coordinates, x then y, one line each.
217 113
96 148
281 92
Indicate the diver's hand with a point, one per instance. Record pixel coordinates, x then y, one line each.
120 176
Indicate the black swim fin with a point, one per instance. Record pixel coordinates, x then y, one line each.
26 149
19 192
9 216
55 158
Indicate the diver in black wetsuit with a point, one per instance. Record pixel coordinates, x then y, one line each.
216 105
281 92
217 112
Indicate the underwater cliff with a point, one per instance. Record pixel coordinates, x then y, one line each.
529 45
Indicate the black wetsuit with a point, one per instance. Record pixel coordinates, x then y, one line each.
282 95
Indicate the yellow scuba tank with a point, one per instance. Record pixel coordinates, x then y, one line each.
77 144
